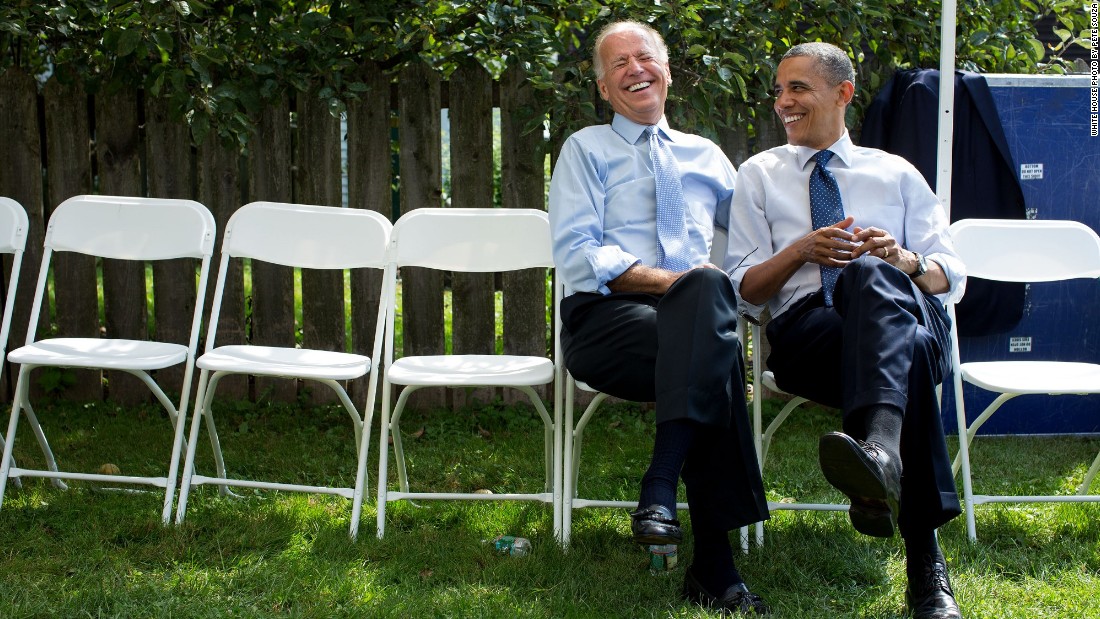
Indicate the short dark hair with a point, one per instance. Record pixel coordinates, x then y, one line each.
834 62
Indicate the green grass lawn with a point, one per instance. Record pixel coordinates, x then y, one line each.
89 552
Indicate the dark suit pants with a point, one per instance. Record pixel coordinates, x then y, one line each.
884 342
682 351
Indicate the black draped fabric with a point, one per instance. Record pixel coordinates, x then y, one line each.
903 119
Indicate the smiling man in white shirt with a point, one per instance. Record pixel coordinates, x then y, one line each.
633 206
848 250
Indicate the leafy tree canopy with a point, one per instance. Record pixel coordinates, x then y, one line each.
218 62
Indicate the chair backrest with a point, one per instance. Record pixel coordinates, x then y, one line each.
13 239
1021 250
473 240
307 236
130 228
13 226
301 235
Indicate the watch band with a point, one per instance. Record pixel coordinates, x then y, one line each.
922 266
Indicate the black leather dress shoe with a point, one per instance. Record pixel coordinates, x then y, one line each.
655 525
932 597
870 478
736 599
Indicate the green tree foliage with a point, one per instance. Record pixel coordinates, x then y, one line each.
218 62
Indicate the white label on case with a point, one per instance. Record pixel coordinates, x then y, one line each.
1031 171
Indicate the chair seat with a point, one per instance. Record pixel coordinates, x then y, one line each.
289 362
471 370
112 354
1050 377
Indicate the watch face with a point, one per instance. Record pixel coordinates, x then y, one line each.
922 264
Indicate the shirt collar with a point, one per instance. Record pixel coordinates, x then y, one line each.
631 131
842 150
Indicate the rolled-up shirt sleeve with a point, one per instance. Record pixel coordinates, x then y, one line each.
577 201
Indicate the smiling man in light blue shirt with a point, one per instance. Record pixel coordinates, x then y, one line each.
633 207
603 207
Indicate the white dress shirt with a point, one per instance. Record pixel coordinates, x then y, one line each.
771 210
603 202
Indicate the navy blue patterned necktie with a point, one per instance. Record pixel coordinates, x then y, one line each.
826 209
672 240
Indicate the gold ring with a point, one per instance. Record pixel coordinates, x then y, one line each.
885 253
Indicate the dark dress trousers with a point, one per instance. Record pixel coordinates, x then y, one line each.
884 342
682 351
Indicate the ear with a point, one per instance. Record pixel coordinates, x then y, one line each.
847 91
668 74
603 89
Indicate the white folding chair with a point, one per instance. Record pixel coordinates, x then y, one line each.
295 235
574 434
13 239
469 240
765 379
121 228
1021 251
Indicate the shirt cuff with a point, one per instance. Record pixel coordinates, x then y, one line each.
609 262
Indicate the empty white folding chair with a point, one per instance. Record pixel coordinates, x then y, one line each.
121 228
475 241
294 235
574 433
13 239
1021 251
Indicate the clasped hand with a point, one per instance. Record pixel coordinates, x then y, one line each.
835 246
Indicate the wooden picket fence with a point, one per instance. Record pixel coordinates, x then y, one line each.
59 141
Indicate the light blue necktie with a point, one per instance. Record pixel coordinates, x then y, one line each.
672 239
826 209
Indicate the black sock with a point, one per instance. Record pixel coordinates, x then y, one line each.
712 562
670 448
921 549
882 425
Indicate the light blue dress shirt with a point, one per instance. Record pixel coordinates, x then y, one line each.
772 210
603 204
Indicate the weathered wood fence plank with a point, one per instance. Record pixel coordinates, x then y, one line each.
421 187
118 155
272 284
69 173
219 189
169 174
317 178
20 180
369 172
522 186
472 298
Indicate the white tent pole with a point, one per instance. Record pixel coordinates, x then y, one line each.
947 105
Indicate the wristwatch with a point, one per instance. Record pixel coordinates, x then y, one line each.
922 266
